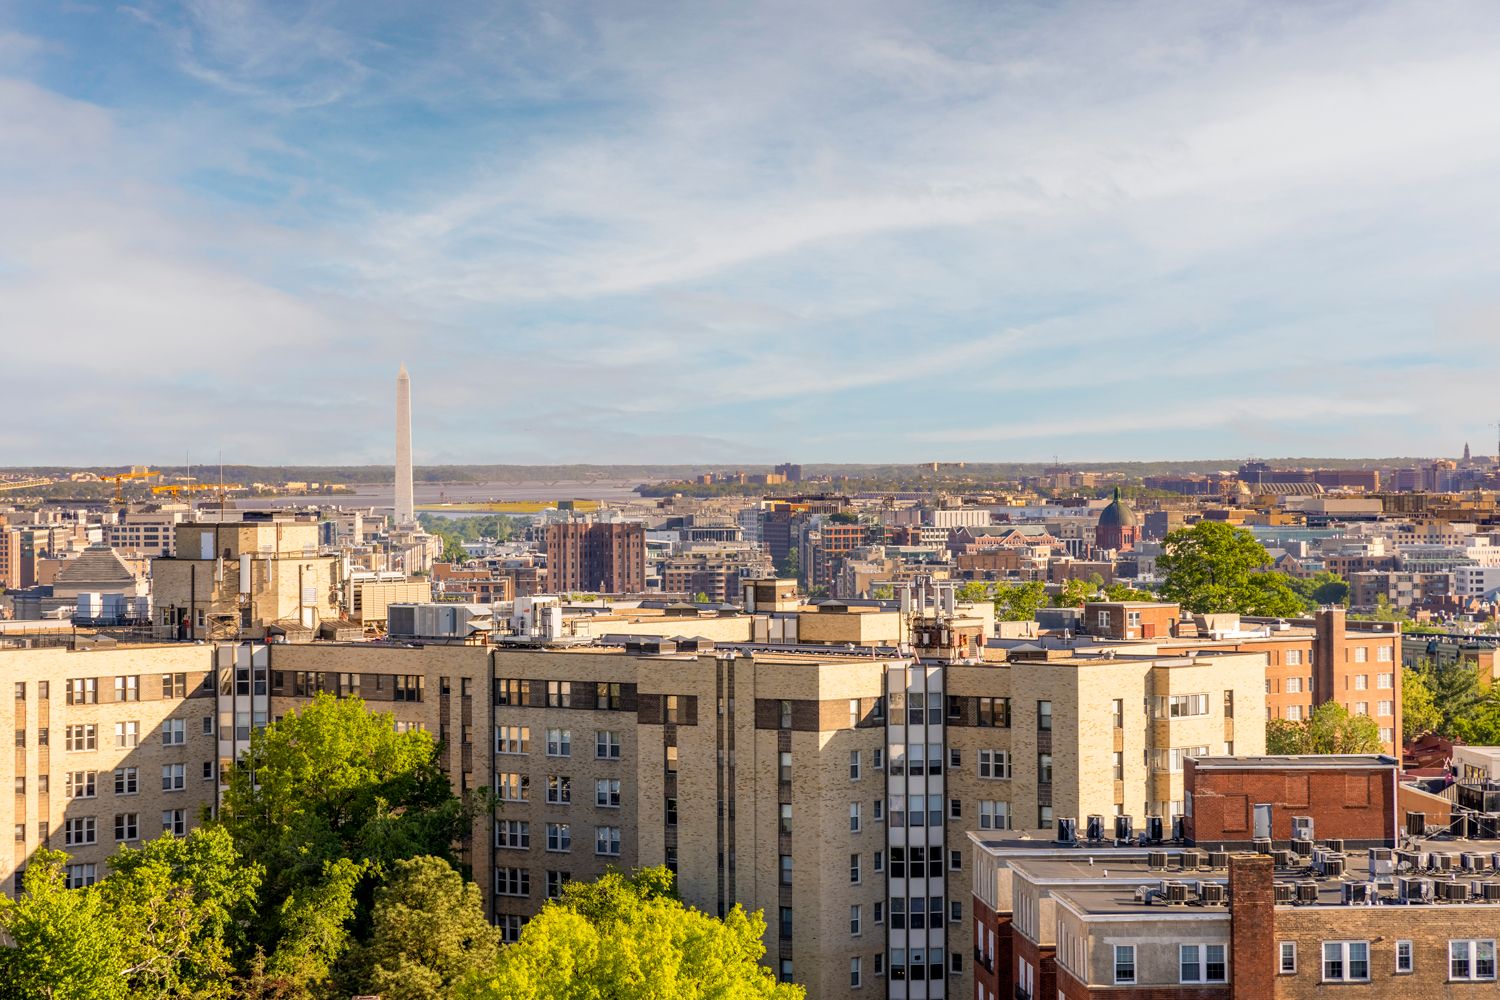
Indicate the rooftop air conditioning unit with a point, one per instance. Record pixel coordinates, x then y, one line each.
1213 893
1333 866
1218 859
1416 824
1336 845
1177 892
1302 848
1356 893
1123 827
1444 862
1491 892
1282 859
1453 892
1095 829
1307 892
1408 860
1262 845
1067 830
1302 828
1191 858
1154 830
1473 861
1284 892
1156 860
1382 861
1411 889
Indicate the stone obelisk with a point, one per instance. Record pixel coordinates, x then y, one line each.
406 510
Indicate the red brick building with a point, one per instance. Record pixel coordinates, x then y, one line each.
1233 800
596 558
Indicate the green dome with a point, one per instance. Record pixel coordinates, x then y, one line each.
1118 514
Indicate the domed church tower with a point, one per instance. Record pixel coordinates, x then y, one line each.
1118 527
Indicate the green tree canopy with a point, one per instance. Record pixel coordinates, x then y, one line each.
454 551
1320 589
1419 711
974 591
1455 692
1125 592
1074 593
1216 568
64 944
429 932
337 782
626 939
1018 602
1330 729
179 905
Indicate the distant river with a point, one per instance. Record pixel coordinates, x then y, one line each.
381 495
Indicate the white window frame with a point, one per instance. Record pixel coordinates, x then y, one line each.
1471 947
994 764
1124 948
1410 957
1344 962
1202 950
1285 950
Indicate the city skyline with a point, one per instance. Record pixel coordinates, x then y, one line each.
854 233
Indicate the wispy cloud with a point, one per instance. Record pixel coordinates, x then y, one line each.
1143 227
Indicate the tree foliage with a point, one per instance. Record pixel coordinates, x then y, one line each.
629 939
1074 593
1216 568
1322 588
63 943
429 933
1018 602
1419 711
1330 729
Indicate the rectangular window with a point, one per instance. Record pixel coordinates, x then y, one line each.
559 789
671 713
127 781
854 817
1403 956
559 837
513 833
1471 960
79 876
83 691
994 815
1346 961
1383 654
79 831
607 841
994 764
1294 685
854 972
607 745
854 920
854 712
1202 963
853 765
82 784
607 793
785 821
994 712
127 826
555 882
1043 716
1119 713
559 694
173 732
80 738
1361 682
409 687
128 688
1384 681
784 715
127 734
1288 964
512 882
1124 964
173 777
1294 657
512 786
1044 769
512 692
513 739
854 873
1361 654
607 696
559 743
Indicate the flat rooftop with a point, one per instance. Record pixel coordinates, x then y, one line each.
1311 761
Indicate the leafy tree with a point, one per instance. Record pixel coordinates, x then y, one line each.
701 597
63 943
1419 710
1330 729
1455 692
974 591
789 568
1125 592
629 939
1073 594
313 924
331 783
883 592
1019 602
1215 568
454 551
429 932
178 904
1320 589
1481 726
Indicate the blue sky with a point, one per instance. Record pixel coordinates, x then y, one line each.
841 231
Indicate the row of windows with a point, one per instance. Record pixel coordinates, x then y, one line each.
1349 961
85 784
515 834
84 737
85 690
601 695
81 831
512 786
1196 963
517 740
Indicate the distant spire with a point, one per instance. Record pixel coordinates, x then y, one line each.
1467 457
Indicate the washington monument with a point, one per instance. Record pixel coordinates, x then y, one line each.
406 509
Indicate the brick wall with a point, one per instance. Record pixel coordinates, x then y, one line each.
1357 806
1252 926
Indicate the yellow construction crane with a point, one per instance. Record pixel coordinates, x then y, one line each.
140 472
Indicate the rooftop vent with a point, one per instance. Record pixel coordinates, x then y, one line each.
1156 860
1262 845
1177 892
1356 893
1282 859
1453 892
1302 848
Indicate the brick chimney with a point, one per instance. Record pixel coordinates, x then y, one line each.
1252 926
1328 652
